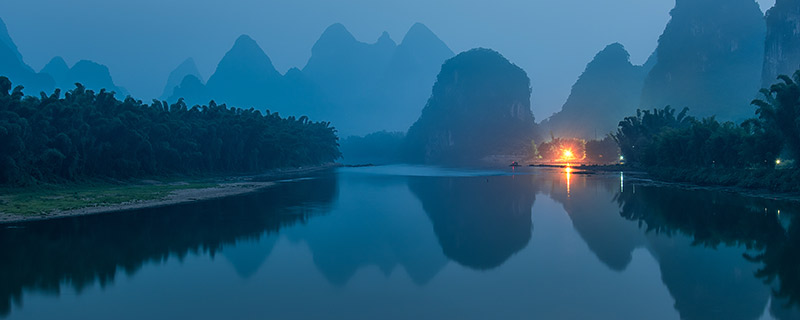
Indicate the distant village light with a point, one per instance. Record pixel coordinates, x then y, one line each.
568 155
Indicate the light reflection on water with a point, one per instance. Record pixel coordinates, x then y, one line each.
402 242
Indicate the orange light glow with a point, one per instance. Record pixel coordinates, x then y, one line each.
567 154
568 171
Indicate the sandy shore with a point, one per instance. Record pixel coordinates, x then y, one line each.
229 186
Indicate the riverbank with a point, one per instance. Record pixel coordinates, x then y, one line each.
767 179
61 201
767 183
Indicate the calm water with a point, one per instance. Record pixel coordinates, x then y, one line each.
406 242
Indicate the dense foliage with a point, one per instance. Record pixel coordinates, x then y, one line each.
780 110
94 135
603 151
662 138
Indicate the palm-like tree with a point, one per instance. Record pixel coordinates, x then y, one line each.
780 108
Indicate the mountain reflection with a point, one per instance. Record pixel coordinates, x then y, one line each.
595 216
710 246
715 250
480 222
375 222
81 251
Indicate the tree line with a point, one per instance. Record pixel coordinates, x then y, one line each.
667 138
94 135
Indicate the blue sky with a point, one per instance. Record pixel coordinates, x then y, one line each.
142 41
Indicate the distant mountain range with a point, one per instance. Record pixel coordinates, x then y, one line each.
710 59
90 74
359 87
55 74
608 90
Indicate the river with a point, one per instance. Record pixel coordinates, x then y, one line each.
413 242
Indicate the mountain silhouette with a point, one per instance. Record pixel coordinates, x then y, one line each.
186 68
607 91
5 39
596 219
480 106
90 74
409 76
192 90
245 77
359 87
13 67
59 70
386 232
710 58
782 53
479 224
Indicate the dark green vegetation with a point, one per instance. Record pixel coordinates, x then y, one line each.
480 106
358 86
93 135
682 148
710 59
608 90
663 138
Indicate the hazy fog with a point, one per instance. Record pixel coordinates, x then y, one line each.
142 41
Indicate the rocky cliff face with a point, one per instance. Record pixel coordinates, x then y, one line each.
607 91
480 106
710 59
782 52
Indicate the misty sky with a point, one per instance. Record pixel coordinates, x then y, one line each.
142 41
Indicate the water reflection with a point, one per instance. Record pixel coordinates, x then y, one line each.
82 251
375 222
716 250
595 216
480 221
719 255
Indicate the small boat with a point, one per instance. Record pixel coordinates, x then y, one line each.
514 164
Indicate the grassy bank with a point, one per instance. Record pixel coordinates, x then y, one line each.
47 198
48 201
775 180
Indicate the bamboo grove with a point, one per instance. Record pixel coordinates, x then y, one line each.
94 135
